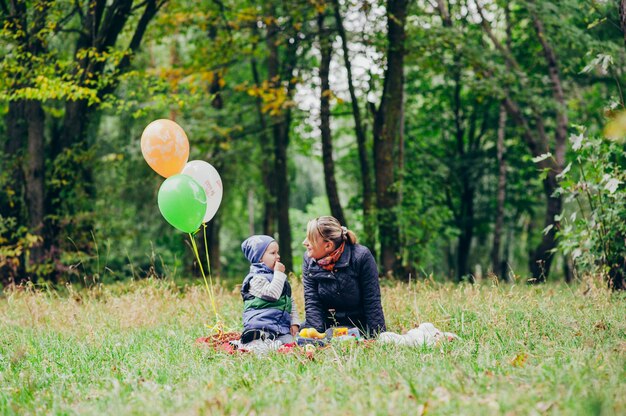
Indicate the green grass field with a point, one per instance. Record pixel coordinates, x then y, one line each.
130 349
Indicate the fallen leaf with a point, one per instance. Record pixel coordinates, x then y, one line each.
519 360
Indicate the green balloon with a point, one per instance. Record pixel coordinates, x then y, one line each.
182 202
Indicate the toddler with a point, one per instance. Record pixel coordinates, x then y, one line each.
269 312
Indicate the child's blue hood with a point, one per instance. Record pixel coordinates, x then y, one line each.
254 247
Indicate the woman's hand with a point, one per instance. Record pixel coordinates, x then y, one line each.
294 330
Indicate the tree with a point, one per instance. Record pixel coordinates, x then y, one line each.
364 161
39 33
96 67
536 137
388 140
281 78
326 52
622 17
28 32
497 267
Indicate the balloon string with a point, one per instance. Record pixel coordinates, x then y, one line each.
206 284
208 260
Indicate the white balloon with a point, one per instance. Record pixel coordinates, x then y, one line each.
207 176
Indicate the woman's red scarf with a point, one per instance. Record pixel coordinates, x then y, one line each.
328 262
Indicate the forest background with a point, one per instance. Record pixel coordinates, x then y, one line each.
458 139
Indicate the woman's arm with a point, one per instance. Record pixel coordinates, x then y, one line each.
314 316
370 290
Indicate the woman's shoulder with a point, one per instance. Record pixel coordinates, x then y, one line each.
359 248
360 252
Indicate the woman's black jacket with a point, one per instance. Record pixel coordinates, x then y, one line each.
348 295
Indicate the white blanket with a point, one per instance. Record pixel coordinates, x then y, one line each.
425 334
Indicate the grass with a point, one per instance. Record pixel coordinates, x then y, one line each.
129 349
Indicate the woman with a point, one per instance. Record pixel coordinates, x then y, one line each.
340 279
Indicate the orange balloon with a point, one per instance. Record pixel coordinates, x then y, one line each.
165 147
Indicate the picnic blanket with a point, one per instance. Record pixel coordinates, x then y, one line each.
230 343
424 335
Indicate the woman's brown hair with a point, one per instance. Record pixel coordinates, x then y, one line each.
329 229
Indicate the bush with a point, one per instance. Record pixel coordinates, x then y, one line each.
594 232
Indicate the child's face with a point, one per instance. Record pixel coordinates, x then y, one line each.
271 256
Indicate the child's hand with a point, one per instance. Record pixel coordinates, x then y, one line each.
294 330
279 266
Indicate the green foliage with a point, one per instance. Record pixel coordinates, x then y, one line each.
593 229
196 66
15 242
299 220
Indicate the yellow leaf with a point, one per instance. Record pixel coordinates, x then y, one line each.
519 360
616 128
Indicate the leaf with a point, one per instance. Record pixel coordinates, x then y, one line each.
562 174
542 157
612 184
519 360
616 128
596 23
576 141
547 229
606 61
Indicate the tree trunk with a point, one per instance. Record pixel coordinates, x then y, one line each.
388 128
501 195
35 178
622 18
17 129
467 231
542 258
568 269
26 26
617 275
281 141
369 222
466 203
213 241
280 128
251 212
465 215
327 141
269 195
